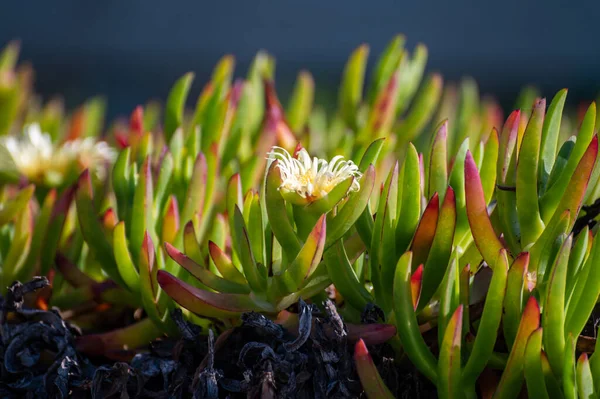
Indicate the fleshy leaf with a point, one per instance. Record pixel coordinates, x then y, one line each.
367 372
352 209
176 104
512 377
409 203
351 88
550 136
438 166
309 257
528 207
441 249
487 332
449 382
406 321
513 300
125 264
554 316
483 232
534 374
205 303
224 264
205 276
301 102
425 233
344 277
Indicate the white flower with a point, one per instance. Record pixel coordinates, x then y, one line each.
313 178
41 161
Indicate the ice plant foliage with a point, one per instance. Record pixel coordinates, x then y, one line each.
313 178
474 238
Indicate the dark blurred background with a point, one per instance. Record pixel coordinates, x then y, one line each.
133 50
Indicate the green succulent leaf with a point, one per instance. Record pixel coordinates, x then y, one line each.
351 88
406 321
449 381
534 374
241 240
550 136
554 318
304 265
351 210
176 103
409 201
513 376
125 264
528 207
344 277
487 332
301 102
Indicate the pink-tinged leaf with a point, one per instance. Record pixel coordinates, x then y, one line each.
575 191
512 377
224 264
585 380
425 231
449 370
415 285
441 249
109 219
438 163
205 276
561 185
483 232
382 113
370 379
148 283
275 119
170 226
136 121
508 141
205 303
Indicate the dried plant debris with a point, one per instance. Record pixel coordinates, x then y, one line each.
259 359
37 349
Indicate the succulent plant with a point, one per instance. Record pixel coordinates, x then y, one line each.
477 244
272 263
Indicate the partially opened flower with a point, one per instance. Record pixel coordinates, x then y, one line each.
43 162
306 179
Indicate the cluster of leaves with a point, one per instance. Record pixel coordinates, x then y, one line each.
471 240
